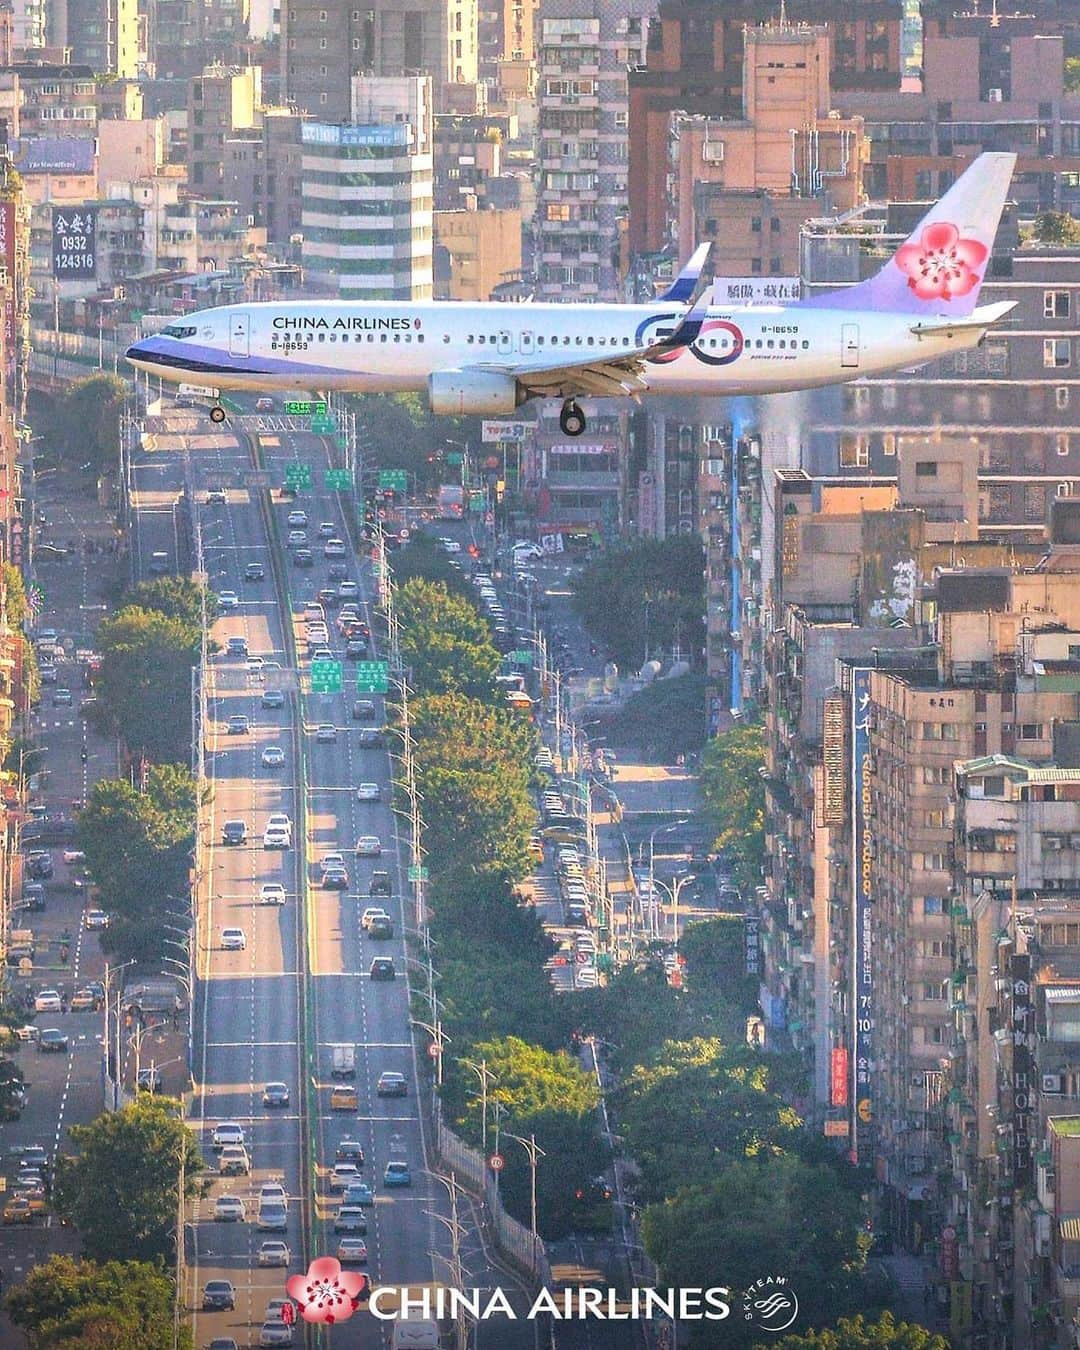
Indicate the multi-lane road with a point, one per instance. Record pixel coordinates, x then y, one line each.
273 1010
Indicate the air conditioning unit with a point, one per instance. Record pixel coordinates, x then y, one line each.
712 152
1052 1084
994 96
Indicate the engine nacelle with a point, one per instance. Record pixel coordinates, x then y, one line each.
481 392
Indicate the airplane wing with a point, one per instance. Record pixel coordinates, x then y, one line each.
604 376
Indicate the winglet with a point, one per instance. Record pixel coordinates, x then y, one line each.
689 326
682 288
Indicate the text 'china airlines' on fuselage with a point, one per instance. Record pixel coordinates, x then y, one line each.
488 358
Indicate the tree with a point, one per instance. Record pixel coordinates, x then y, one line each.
11 1089
1057 227
444 641
424 559
144 682
65 1304
663 720
121 1187
406 435
734 798
86 422
759 1215
858 1334
715 974
696 1105
1072 74
645 598
175 597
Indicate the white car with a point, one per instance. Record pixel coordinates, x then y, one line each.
228 1132
328 860
233 940
256 665
273 757
368 792
274 1253
524 550
322 654
276 838
228 1209
352 1251
96 919
343 1174
47 1000
227 600
334 548
278 820
272 893
298 519
368 846
272 1193
296 537
326 733
371 913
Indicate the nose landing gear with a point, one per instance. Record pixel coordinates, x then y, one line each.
571 419
217 413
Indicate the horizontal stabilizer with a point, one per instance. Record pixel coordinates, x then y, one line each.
984 317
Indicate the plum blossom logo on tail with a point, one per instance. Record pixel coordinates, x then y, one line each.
326 1293
940 265
770 1303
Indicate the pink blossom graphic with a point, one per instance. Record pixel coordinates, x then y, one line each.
326 1293
941 266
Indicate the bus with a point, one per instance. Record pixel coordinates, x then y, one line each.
451 501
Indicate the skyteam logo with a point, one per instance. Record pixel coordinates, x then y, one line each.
658 326
770 1304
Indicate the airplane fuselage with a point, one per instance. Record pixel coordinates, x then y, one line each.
309 346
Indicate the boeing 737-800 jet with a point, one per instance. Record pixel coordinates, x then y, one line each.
490 358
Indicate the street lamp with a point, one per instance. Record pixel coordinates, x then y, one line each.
660 829
486 1076
673 892
535 1152
111 971
439 1039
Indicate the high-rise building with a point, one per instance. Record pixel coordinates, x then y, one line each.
585 47
102 34
324 43
367 191
221 101
506 32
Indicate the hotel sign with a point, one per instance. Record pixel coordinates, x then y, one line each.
862 871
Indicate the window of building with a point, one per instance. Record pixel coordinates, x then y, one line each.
941 731
322 44
1055 304
933 904
854 452
755 224
934 1035
934 820
1057 353
1061 443
888 443
1030 731
935 993
926 468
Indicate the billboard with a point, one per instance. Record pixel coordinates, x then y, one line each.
7 255
54 154
862 865
74 240
756 290
493 432
838 1076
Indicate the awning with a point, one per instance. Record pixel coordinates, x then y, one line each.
1069 1228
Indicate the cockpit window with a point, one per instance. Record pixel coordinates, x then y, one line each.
176 331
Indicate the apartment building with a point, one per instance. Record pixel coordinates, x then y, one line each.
578 487
220 102
585 47
367 192
506 33
262 171
201 236
476 252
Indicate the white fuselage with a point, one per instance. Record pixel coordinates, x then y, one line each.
395 347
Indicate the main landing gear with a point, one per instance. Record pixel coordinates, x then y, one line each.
571 419
217 413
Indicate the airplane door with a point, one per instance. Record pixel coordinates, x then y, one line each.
239 335
526 343
506 344
849 344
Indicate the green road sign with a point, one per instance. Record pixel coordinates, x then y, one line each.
476 502
304 408
373 677
604 962
522 657
454 457
337 480
418 874
298 476
326 677
323 424
394 480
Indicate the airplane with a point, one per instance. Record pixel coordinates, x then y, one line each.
489 358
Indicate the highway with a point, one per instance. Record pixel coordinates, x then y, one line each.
274 1010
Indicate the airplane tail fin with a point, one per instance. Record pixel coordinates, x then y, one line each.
684 285
940 268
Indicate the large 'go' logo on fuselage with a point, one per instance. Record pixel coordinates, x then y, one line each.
723 358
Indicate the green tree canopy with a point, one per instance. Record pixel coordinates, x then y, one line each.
733 790
665 719
175 597
1057 227
857 1334
444 641
65 1304
85 422
648 594
144 682
121 1186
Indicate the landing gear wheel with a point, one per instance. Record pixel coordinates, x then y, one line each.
217 414
571 419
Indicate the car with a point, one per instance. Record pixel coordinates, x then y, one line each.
264 404
296 538
234 1161
382 968
350 1219
159 560
342 1174
97 919
523 550
236 645
368 846
272 893
256 665
18 1210
275 1094
52 1040
228 1209
352 1251
233 940
359 1193
148 1080
239 724
48 674
380 884
254 571
335 879
62 697
348 590
327 529
334 548
303 557
273 698
392 1084
297 519
31 1155
322 654
275 1332
279 820
350 1150
234 832
48 1000
227 1132
273 1217
84 1000
273 756
227 600
397 1174
218 1295
370 738
370 915
326 733
356 649
368 792
276 837
333 859
381 928
39 864
343 1097
363 710
215 497
223 1343
328 597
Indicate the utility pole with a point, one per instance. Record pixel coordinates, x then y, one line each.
485 1075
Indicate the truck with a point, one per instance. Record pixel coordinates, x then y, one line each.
451 501
343 1061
